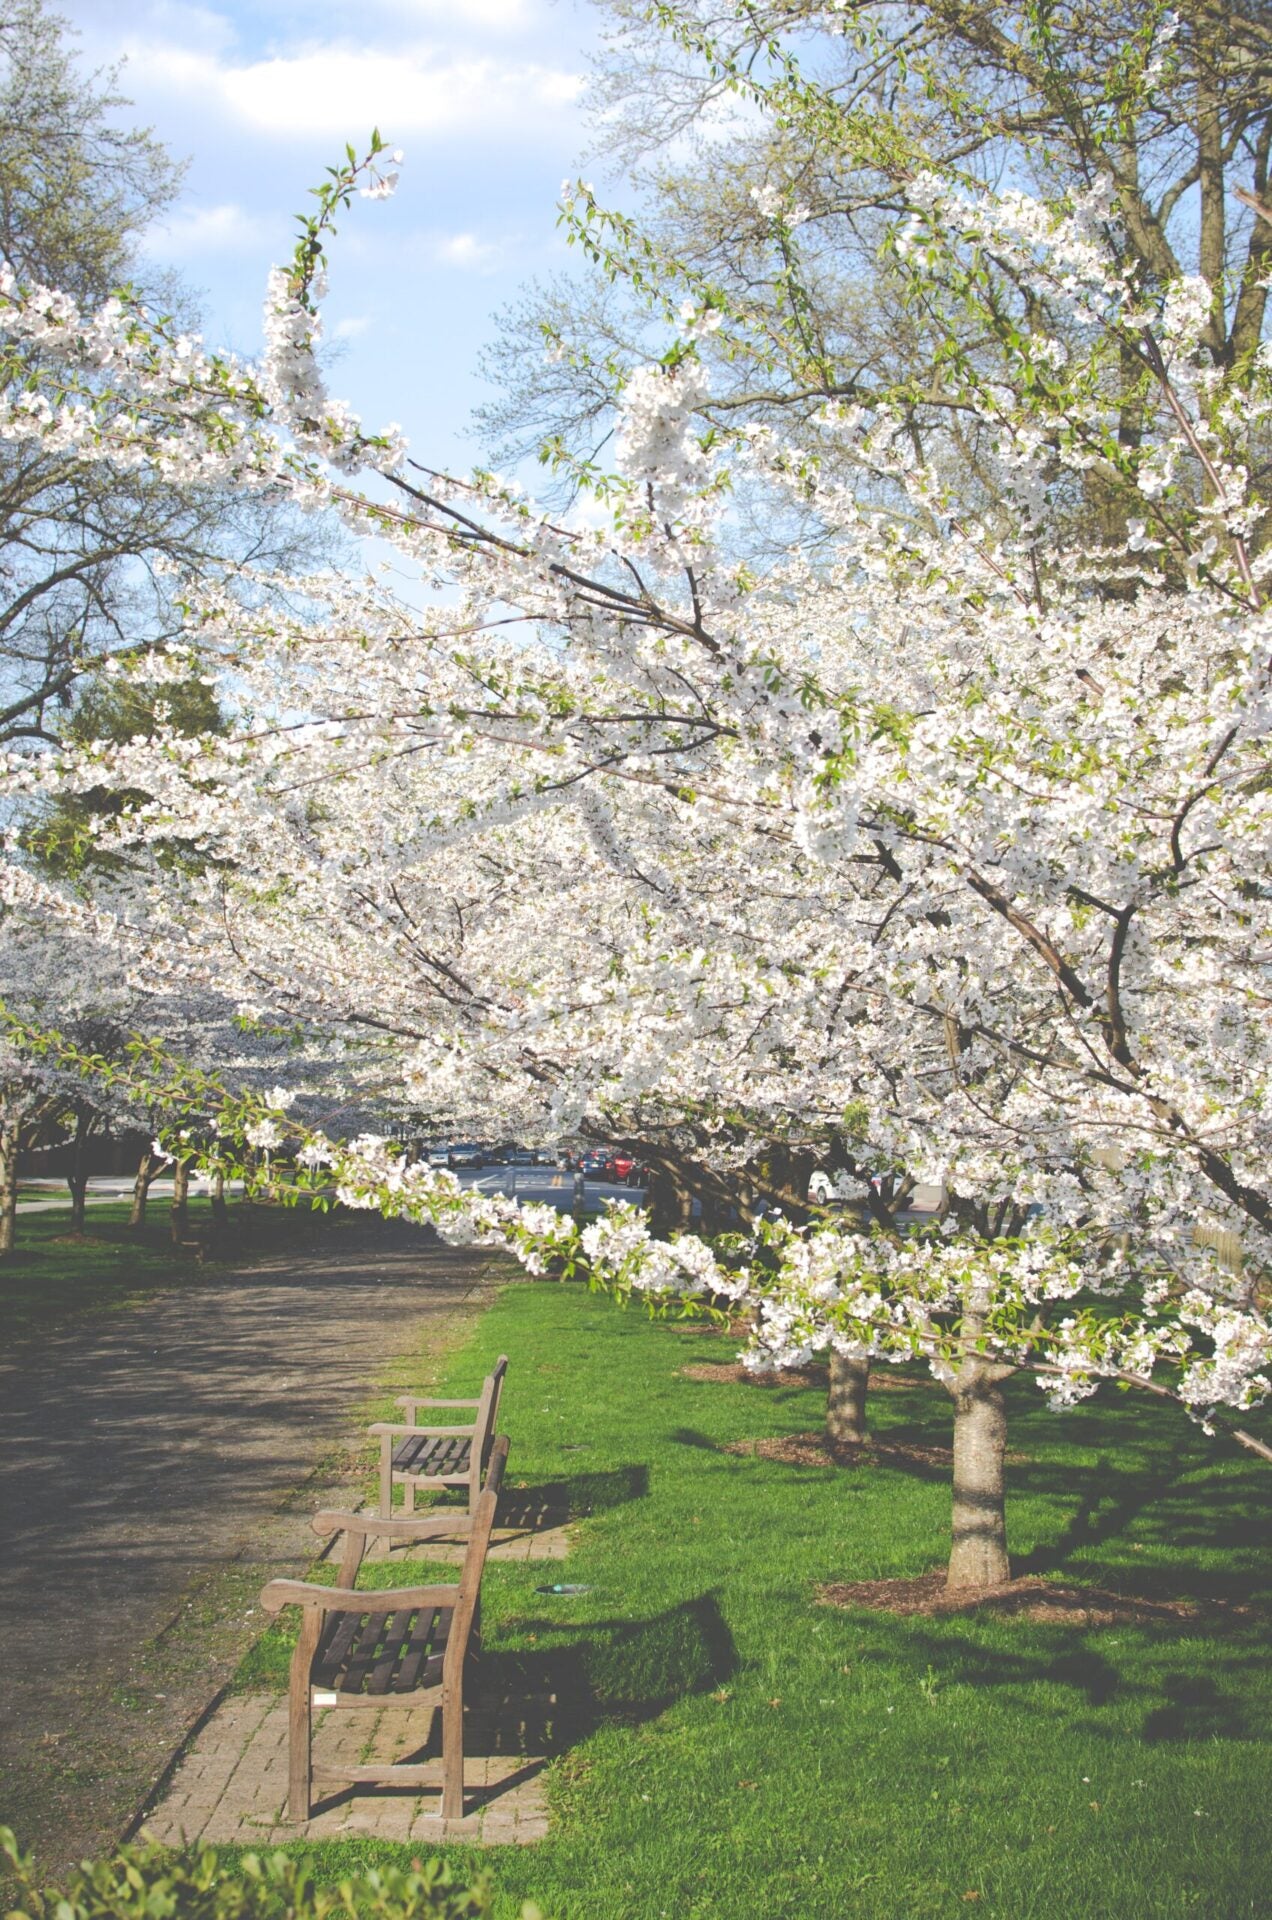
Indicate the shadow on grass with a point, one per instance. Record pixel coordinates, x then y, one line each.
1189 1680
1195 1709
1172 1517
1110 1499
573 1497
544 1699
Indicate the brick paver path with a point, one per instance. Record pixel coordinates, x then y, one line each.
231 1785
156 1466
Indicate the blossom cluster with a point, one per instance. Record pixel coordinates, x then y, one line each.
953 826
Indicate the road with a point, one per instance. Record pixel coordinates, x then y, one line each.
546 1185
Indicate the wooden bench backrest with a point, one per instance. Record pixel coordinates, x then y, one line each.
475 1560
484 1425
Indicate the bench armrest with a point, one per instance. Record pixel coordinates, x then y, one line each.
306 1593
400 1526
414 1400
429 1433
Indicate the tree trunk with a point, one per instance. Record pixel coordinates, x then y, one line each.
179 1219
147 1168
846 1400
9 1135
978 1548
670 1201
220 1212
77 1178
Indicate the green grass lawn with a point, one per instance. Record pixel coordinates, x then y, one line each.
736 1750
53 1277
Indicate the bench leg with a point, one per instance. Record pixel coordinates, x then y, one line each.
300 1718
386 1475
453 1752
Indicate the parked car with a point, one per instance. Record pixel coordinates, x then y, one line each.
597 1165
520 1157
467 1155
621 1165
438 1156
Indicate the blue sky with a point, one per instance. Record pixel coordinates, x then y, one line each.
485 98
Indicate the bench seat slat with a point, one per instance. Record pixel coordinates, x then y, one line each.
418 1454
393 1637
382 1653
333 1648
421 1663
362 1654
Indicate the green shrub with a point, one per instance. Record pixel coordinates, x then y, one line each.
150 1883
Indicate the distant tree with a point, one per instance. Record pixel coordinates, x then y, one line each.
116 707
773 149
91 565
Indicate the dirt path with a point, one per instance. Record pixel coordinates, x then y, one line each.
155 1467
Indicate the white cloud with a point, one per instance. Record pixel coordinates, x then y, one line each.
201 230
344 91
350 327
493 16
466 250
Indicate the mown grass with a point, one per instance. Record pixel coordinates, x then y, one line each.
733 1749
53 1276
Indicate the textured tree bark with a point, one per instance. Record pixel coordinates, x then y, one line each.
220 1212
846 1400
1211 249
179 1219
9 1135
670 1201
978 1547
147 1168
77 1177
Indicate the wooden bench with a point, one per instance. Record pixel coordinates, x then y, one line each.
378 1648
439 1457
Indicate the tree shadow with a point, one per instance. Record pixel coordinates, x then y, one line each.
1222 1520
1054 1669
1195 1709
542 1700
1110 1500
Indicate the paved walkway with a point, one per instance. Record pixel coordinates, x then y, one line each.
231 1786
156 1466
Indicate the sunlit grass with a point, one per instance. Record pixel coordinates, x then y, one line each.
736 1750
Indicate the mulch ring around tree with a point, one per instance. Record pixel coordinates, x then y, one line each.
814 1450
727 1373
1042 1602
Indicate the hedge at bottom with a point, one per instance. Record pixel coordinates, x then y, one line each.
150 1883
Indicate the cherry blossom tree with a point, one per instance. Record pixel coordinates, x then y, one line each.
949 843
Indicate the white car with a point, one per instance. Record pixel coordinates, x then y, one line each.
823 1188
